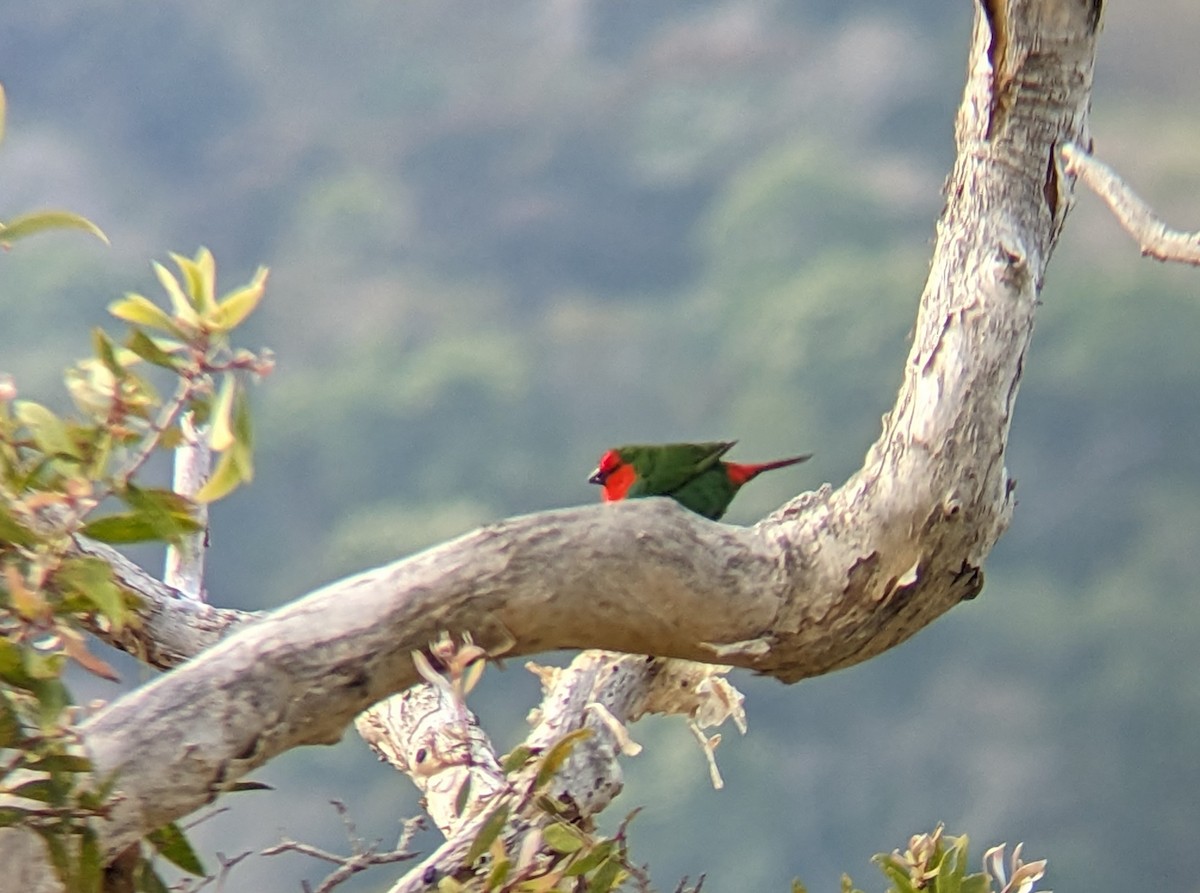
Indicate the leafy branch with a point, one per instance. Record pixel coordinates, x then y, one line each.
59 477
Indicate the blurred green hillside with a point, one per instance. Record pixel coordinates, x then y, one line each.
504 236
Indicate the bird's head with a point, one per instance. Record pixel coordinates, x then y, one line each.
614 474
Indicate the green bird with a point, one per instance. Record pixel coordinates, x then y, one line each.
693 474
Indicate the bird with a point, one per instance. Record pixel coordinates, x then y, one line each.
693 474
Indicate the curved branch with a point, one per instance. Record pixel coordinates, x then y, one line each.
829 580
1154 238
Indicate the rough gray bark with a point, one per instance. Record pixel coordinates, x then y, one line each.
831 579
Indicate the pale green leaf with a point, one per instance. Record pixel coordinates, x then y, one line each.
41 221
120 529
491 829
48 430
238 304
463 795
557 755
607 877
224 480
199 292
13 531
591 858
167 512
516 758
141 311
184 311
106 352
498 875
93 579
142 345
207 265
221 437
562 838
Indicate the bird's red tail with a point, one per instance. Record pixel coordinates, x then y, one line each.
739 474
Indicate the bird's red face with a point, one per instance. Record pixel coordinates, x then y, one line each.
615 475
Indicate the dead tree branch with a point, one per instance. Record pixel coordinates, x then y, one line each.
1154 238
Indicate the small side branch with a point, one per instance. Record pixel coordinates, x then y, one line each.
364 855
1154 237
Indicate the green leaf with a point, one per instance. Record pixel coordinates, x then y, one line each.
52 698
976 883
492 828
224 480
40 221
11 733
90 869
243 434
12 815
12 665
48 430
498 875
207 265
516 758
149 350
952 867
238 304
104 349
12 531
101 448
221 437
53 837
167 512
146 880
562 838
463 795
174 846
62 762
606 877
141 311
180 303
591 858
43 790
199 287
120 529
93 579
42 666
557 755
899 877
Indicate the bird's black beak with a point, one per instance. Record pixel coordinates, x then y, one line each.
597 477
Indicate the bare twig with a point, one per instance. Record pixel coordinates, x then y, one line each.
363 857
166 417
1154 237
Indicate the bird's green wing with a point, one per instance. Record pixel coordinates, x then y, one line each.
664 468
708 493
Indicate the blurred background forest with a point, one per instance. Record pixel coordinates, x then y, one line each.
506 235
